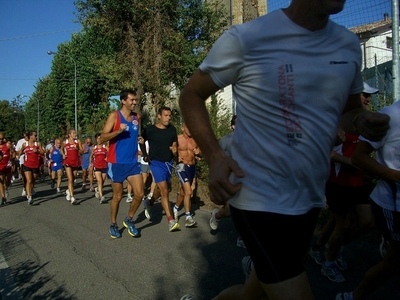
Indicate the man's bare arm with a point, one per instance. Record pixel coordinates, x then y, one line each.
193 108
192 103
362 158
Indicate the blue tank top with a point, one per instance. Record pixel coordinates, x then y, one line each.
56 156
86 156
123 148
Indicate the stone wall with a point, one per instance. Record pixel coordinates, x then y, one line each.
244 10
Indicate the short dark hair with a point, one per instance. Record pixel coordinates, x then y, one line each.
30 132
97 135
123 95
162 108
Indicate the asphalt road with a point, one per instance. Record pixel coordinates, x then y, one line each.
55 250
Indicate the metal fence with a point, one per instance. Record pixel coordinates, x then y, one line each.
372 21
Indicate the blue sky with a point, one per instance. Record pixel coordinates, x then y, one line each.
29 28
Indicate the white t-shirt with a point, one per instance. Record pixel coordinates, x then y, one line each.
226 142
388 154
19 144
291 86
18 148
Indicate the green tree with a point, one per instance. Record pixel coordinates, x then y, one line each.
157 43
12 120
153 46
220 122
56 93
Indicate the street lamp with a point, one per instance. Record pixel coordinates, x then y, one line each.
38 121
76 115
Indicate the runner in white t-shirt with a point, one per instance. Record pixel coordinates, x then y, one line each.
385 201
295 74
21 157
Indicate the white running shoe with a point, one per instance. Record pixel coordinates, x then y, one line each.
147 208
73 200
96 193
317 256
129 199
332 272
247 266
68 195
187 297
172 225
240 243
189 222
214 222
102 200
23 192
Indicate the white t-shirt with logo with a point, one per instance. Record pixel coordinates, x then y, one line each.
291 86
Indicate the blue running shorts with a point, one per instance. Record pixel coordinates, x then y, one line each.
187 174
56 166
161 170
119 172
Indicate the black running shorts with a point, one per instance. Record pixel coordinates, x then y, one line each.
342 199
278 244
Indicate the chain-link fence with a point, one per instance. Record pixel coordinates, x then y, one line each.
371 20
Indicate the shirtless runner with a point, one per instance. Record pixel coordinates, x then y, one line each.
188 153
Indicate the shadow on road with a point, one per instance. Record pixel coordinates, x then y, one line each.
29 274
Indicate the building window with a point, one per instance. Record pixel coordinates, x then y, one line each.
389 43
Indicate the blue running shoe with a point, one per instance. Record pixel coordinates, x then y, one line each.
128 223
114 231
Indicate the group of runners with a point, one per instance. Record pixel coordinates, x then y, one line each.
161 150
122 152
27 159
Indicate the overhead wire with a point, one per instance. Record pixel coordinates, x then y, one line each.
38 34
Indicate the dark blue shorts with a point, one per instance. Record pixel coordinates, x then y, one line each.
187 175
119 172
161 170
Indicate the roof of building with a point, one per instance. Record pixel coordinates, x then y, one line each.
372 26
